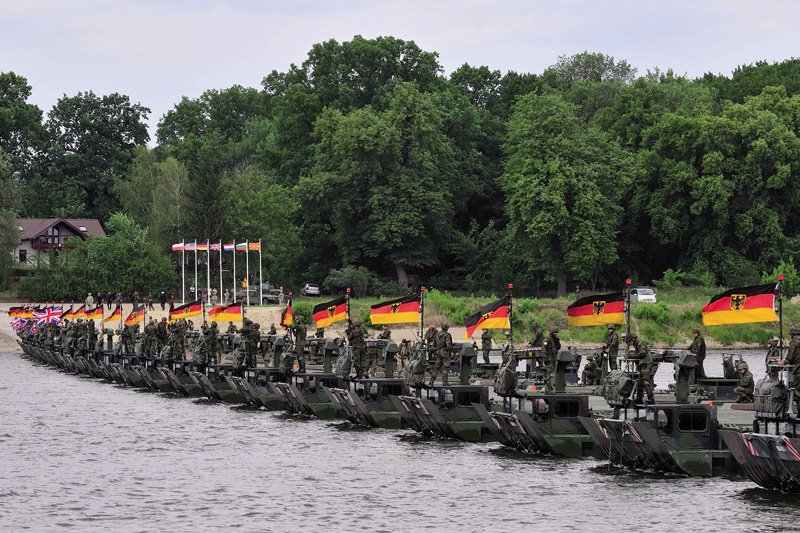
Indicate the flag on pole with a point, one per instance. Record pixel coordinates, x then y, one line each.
399 311
177 247
95 313
742 305
191 309
68 315
231 313
491 316
215 247
113 316
202 247
327 313
286 316
48 315
18 322
14 312
229 247
190 247
136 316
80 313
254 246
241 247
597 309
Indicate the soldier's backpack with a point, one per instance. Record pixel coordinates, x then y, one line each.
415 371
505 382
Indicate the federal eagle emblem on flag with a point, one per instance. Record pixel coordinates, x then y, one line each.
737 301
598 308
395 307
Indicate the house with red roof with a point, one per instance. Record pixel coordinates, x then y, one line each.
43 235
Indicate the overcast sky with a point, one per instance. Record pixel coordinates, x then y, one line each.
158 51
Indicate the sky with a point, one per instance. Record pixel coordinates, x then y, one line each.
156 52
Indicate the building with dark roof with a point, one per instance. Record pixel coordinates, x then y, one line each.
42 235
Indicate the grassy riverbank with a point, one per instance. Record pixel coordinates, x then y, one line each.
666 324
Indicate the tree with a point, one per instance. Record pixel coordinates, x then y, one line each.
562 181
588 67
386 181
21 130
9 229
91 145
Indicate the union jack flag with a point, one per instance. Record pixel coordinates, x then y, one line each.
18 322
48 315
215 247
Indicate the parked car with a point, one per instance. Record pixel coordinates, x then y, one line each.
270 296
310 289
643 294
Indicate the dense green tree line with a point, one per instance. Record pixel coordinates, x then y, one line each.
369 154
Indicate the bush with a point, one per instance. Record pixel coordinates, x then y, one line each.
359 280
671 280
303 309
655 313
791 279
700 275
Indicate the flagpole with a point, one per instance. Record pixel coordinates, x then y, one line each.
247 267
208 271
234 272
347 302
627 313
196 287
780 315
421 312
183 271
220 270
260 273
510 315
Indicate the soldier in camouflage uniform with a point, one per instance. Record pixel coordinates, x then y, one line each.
645 364
240 353
151 338
430 337
698 348
589 375
178 330
252 341
162 334
550 348
537 341
793 358
211 344
300 332
127 339
744 392
403 356
386 333
444 351
612 347
355 337
92 334
486 344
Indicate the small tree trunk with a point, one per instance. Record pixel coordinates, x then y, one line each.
402 277
561 276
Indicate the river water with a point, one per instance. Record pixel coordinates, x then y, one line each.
82 455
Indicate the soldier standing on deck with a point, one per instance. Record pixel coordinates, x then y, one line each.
403 356
612 347
486 344
430 337
589 375
300 332
698 348
793 358
162 334
550 348
386 333
355 337
444 351
645 363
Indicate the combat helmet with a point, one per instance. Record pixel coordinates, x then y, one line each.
554 329
795 330
742 366
445 326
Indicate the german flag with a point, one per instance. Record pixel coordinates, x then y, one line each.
286 316
14 312
80 313
597 309
95 313
116 315
491 316
326 314
231 313
400 311
742 305
186 310
68 315
136 316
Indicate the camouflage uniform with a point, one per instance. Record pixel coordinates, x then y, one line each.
612 348
151 338
698 348
178 330
300 332
161 334
486 345
430 337
589 375
355 337
744 392
645 363
386 333
403 356
444 349
92 334
127 339
211 343
793 358
550 348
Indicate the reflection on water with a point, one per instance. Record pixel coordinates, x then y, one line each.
82 454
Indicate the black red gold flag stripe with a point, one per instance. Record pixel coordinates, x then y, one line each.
327 313
491 316
400 311
597 309
742 305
